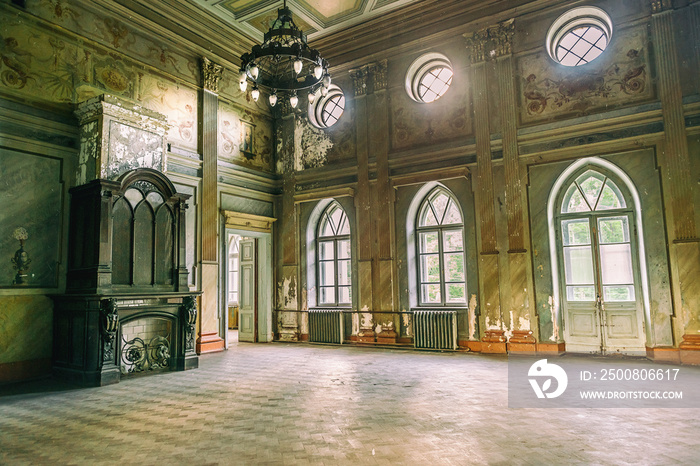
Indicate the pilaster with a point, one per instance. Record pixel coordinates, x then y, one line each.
363 205
209 339
685 245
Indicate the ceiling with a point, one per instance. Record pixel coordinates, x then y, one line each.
316 18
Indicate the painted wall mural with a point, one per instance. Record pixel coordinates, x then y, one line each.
232 121
414 124
178 103
311 145
621 77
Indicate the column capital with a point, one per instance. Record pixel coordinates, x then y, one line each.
211 74
491 42
359 80
378 71
658 6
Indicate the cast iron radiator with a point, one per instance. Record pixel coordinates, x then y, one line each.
326 326
435 329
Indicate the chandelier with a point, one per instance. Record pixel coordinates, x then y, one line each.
284 64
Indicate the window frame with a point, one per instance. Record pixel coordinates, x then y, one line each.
233 255
420 68
316 109
335 240
440 228
574 19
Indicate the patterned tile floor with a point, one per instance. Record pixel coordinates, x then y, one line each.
304 404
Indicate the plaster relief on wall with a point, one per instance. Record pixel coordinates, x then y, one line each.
231 133
548 90
311 145
177 103
417 124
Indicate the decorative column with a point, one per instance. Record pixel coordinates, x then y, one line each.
522 338
378 106
493 340
363 206
685 245
209 339
288 324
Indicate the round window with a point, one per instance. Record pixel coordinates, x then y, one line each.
428 77
579 36
326 110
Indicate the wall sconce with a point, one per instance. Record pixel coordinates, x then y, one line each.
21 260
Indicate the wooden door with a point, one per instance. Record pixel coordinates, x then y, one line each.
247 328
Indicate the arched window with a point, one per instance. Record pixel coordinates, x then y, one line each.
440 250
233 269
579 36
600 273
333 257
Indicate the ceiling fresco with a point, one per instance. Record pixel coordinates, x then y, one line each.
317 18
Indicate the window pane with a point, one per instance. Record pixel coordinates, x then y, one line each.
344 272
452 216
325 250
452 240
574 201
455 293
344 295
440 204
430 294
454 267
327 273
428 241
611 197
576 232
326 227
618 293
580 293
427 218
591 183
430 268
327 295
578 265
614 230
344 249
616 264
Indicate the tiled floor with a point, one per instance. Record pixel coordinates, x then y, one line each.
303 404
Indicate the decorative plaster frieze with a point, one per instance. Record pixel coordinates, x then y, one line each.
491 42
211 74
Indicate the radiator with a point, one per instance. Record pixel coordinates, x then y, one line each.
326 326
435 329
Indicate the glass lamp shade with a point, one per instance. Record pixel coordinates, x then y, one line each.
324 91
312 97
293 101
244 85
318 71
298 64
254 71
255 93
327 80
273 99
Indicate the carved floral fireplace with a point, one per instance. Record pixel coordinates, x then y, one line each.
127 307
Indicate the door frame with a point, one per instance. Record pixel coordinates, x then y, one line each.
553 226
260 228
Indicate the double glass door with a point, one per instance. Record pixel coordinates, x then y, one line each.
601 299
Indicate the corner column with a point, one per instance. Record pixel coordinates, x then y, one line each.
209 339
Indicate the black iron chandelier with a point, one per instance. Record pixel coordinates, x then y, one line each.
284 64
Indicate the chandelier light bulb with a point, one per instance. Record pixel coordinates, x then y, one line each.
244 85
298 64
294 100
254 71
242 76
273 99
327 81
318 71
312 97
255 93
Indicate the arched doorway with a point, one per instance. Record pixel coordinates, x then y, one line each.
601 288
